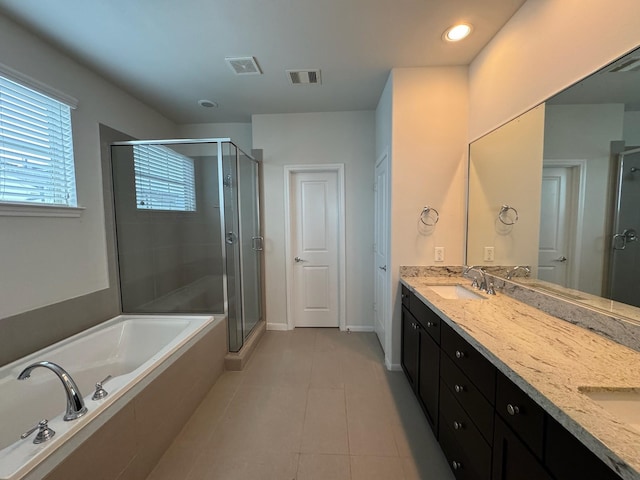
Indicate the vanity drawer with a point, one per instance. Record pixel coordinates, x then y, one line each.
525 417
405 293
468 396
429 320
470 361
456 425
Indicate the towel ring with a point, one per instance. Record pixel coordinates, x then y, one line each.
429 213
504 218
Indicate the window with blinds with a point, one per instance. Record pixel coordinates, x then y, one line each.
165 180
36 148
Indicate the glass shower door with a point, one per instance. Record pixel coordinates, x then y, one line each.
251 241
625 260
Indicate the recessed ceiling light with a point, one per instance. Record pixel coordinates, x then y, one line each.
457 32
207 104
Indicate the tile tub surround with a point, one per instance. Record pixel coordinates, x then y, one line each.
549 359
129 444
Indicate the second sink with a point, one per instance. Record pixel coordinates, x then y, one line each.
455 292
623 404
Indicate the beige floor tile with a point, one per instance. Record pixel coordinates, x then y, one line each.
326 370
245 466
376 468
325 424
323 467
307 398
370 432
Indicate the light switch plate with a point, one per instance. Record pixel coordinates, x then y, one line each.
439 254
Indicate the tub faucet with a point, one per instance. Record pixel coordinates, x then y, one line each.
512 272
75 404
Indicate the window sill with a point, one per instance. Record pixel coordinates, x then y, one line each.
35 210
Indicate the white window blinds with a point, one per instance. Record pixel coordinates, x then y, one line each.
36 148
165 180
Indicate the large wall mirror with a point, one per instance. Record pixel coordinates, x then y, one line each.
558 190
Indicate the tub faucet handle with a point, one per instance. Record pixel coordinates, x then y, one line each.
100 392
44 432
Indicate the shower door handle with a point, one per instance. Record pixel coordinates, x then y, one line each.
230 238
620 240
258 243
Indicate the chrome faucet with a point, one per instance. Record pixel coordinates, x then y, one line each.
512 272
482 285
75 404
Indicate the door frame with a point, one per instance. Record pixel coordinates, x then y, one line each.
289 171
578 187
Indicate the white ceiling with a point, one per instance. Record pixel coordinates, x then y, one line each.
170 53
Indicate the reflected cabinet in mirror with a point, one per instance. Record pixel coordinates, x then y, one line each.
558 190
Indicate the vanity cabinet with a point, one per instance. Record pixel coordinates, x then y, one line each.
488 428
421 354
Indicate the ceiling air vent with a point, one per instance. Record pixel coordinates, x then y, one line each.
626 65
244 65
304 77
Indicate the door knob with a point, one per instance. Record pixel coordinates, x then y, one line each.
561 259
298 259
384 267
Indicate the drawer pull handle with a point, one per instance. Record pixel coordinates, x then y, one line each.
513 409
458 425
456 465
460 354
430 324
458 388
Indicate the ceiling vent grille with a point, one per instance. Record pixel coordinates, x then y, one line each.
244 65
626 65
304 77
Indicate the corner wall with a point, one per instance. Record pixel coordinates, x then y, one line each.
320 138
428 167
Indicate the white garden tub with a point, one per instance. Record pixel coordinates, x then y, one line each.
130 348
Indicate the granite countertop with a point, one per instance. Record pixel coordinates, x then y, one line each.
552 361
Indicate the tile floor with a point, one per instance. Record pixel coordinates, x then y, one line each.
312 404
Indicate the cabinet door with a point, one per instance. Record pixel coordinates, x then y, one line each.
567 458
428 382
512 460
410 347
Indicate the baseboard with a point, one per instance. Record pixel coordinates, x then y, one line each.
359 328
277 326
392 367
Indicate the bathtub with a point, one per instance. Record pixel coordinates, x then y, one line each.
133 349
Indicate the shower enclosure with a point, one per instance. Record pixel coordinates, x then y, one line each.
187 218
624 281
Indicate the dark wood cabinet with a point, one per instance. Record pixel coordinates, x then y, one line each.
567 458
512 460
421 365
410 347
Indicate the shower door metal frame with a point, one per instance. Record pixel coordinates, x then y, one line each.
219 142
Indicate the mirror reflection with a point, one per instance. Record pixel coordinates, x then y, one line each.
571 169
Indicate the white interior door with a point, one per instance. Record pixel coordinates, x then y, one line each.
314 227
555 225
381 248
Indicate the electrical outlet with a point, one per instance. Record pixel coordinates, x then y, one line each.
439 254
489 254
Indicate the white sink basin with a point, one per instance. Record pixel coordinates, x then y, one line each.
455 292
624 404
